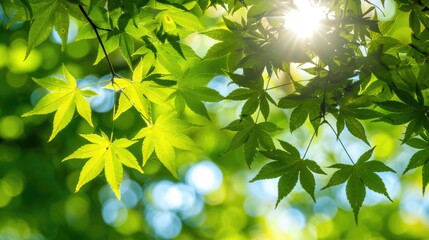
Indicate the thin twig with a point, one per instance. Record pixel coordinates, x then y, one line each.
286 84
341 142
99 40
309 144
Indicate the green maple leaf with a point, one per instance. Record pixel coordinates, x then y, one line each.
304 107
360 176
289 166
49 14
420 158
411 110
254 98
163 137
107 155
137 93
192 92
64 97
251 135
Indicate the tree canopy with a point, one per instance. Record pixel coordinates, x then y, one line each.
259 83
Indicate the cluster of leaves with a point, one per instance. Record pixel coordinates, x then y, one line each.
358 71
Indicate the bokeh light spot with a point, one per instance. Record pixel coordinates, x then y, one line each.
104 100
114 212
15 181
3 52
385 145
16 56
205 177
11 127
132 223
166 224
76 212
16 80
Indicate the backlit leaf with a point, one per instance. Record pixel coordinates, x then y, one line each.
105 154
163 137
64 97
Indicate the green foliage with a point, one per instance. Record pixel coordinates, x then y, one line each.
107 155
64 97
360 176
162 137
358 72
288 165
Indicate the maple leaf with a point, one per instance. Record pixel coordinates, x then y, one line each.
63 97
358 176
251 135
420 158
192 92
137 93
162 137
410 110
107 155
289 166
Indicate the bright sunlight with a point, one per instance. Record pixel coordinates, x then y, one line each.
305 19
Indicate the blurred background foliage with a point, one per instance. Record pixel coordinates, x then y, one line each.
212 199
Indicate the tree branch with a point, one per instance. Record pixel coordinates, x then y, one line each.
99 40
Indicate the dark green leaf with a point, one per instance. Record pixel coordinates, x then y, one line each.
289 148
365 157
374 182
418 159
339 177
355 191
241 94
250 147
269 126
377 166
264 139
405 97
307 181
196 106
264 106
417 143
394 106
273 170
250 106
298 117
287 182
277 155
312 165
356 129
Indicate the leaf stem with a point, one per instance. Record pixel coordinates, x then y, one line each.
99 40
309 144
285 84
339 140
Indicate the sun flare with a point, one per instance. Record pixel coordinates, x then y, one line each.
305 19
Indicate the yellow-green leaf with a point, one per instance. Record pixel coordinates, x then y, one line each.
64 98
163 137
107 155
